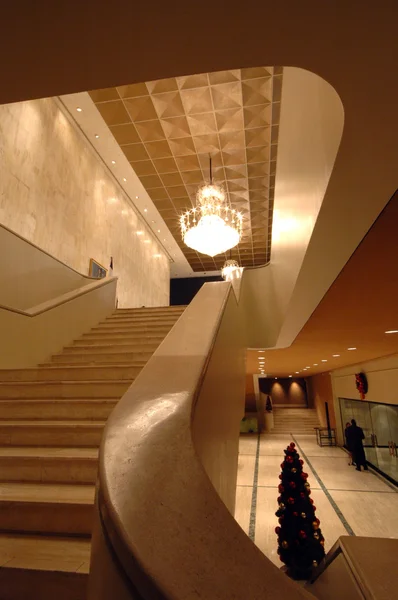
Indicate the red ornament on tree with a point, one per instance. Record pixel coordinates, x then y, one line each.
290 500
302 534
302 495
281 488
292 484
277 530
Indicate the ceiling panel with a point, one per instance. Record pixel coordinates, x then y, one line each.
168 128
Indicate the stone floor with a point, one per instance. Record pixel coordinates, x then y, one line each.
348 502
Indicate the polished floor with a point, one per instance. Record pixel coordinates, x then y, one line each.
348 502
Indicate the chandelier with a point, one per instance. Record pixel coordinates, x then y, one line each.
229 269
212 227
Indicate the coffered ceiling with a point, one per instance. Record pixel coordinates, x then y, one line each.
168 128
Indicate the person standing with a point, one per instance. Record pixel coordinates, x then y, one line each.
355 437
347 444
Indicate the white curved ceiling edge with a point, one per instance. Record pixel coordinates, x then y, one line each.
311 127
91 123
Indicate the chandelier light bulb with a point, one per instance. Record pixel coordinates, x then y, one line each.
230 268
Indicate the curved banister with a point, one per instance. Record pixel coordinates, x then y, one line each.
163 528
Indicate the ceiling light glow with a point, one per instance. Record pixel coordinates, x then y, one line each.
336 355
324 360
79 109
351 348
392 331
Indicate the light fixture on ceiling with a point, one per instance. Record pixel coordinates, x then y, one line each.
230 270
276 378
145 210
290 375
392 331
308 367
113 162
324 360
96 136
140 233
260 351
315 364
124 179
211 227
351 348
157 256
336 355
147 241
158 230
79 109
297 372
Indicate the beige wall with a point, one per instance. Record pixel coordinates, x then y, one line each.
250 397
286 392
29 276
382 376
320 391
55 192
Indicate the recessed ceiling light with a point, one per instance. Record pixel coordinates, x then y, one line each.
124 179
136 197
315 364
260 350
158 230
96 136
308 367
140 233
297 372
147 241
336 355
145 210
276 378
157 255
290 375
79 109
351 348
113 162
392 331
324 360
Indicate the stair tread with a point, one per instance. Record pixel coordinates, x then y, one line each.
50 452
47 492
45 553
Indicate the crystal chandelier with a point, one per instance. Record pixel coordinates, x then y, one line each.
230 268
211 227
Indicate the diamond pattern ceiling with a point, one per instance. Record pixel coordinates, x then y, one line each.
168 128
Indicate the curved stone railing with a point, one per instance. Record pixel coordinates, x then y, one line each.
168 466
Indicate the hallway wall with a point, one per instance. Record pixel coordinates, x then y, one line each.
285 392
56 193
382 376
320 391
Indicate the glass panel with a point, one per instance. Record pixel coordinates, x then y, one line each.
380 426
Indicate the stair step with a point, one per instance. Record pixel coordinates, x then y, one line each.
148 310
50 567
50 409
64 389
51 433
121 337
46 508
141 319
133 329
65 373
118 358
120 348
49 465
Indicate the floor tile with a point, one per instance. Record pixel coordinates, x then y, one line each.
369 513
246 469
243 506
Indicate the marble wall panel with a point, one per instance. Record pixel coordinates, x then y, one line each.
56 192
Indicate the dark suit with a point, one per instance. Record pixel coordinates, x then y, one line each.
355 435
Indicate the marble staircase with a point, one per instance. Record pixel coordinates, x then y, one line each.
295 420
51 421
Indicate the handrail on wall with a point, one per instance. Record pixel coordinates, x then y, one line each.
162 530
2 226
62 299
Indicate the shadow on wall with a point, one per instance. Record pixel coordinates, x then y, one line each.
285 392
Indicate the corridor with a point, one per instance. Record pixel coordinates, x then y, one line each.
347 502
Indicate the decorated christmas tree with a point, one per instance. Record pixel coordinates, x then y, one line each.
300 540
